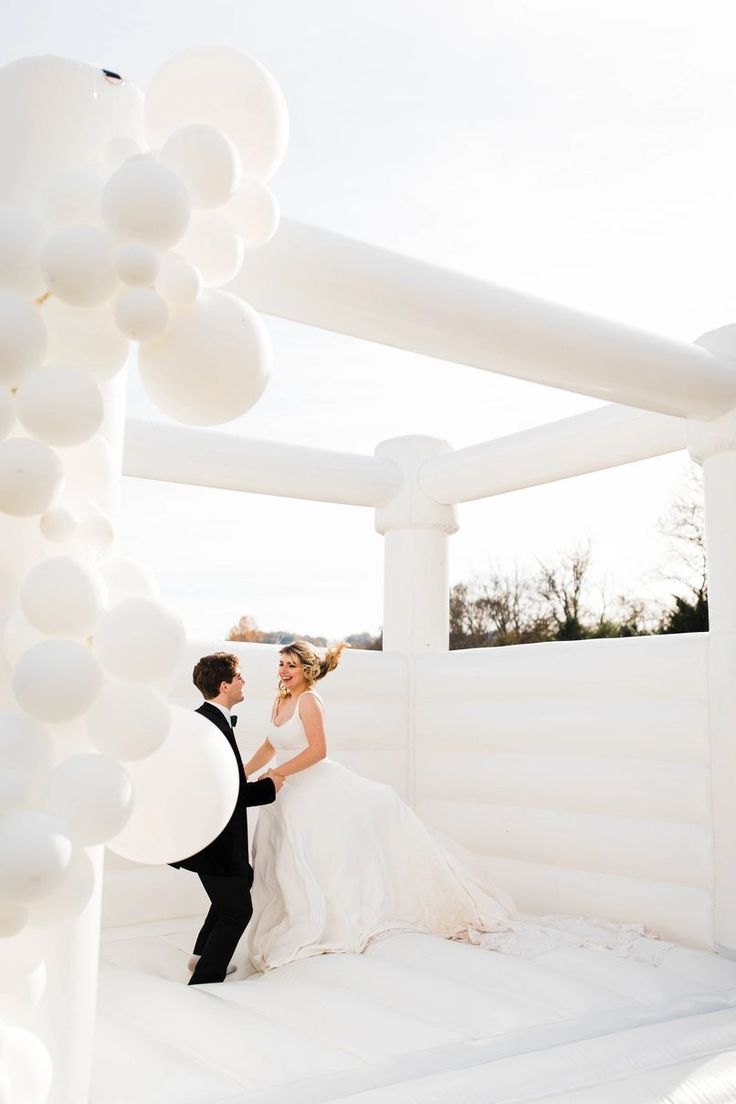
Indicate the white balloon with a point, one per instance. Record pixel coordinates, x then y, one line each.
127 579
21 241
23 971
16 789
96 531
78 264
17 637
178 282
211 365
70 898
73 198
206 160
145 201
254 213
56 680
35 852
185 793
214 247
24 744
128 721
63 596
90 472
92 796
141 314
27 1066
139 640
59 405
119 150
228 90
22 338
30 477
7 412
137 264
59 525
13 919
87 337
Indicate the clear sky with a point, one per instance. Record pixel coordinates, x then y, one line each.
582 151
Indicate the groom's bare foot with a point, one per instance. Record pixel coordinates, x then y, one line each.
191 964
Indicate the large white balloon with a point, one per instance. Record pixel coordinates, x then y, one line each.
141 314
145 201
127 579
71 896
59 405
214 247
7 412
30 477
63 596
87 337
206 160
22 338
79 265
119 150
254 213
185 793
23 971
139 640
211 365
128 721
92 796
228 90
21 241
178 282
73 198
24 744
27 1066
35 852
56 680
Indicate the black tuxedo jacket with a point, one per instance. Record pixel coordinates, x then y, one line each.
228 853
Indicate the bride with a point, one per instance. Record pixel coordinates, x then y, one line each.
340 860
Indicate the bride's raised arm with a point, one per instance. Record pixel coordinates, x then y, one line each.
313 718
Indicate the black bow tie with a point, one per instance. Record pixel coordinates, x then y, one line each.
233 722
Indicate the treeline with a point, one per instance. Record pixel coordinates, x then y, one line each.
247 630
559 601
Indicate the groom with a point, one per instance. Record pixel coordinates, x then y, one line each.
223 866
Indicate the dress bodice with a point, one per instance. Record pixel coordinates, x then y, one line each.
290 738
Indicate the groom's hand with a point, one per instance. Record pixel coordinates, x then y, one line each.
277 779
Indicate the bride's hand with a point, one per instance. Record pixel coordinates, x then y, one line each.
277 779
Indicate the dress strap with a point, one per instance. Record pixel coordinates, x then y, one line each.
314 695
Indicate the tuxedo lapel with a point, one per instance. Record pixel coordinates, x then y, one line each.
212 713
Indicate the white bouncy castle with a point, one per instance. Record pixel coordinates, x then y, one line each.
589 778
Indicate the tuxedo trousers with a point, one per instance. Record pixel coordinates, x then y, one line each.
230 910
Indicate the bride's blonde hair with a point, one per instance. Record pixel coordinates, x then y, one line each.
314 666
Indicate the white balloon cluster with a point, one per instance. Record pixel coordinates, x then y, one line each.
140 248
133 245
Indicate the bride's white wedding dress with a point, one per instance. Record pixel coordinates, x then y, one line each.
340 860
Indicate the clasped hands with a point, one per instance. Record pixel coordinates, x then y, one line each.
277 779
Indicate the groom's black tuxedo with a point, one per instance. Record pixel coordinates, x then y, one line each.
224 870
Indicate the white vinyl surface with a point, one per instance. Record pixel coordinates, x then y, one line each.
415 1019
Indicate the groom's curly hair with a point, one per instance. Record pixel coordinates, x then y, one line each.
211 670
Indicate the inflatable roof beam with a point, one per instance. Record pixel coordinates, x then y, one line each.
598 439
199 458
309 275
